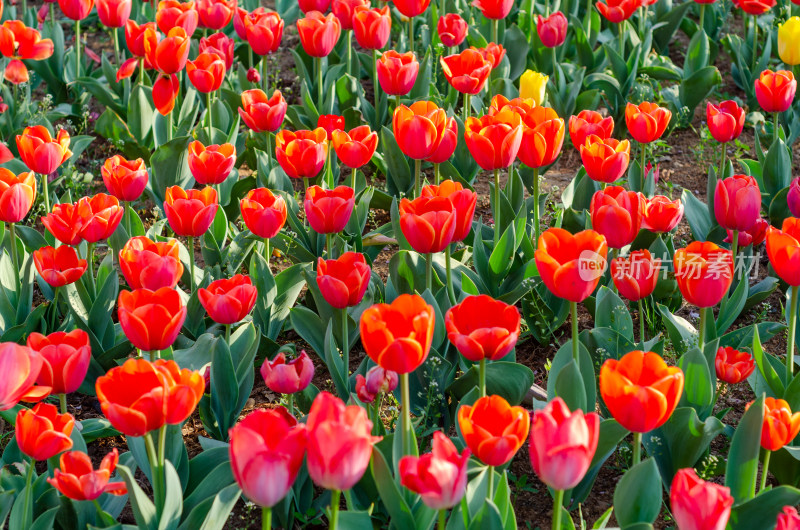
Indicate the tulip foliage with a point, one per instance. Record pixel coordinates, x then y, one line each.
312 259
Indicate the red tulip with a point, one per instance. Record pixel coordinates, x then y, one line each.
263 213
288 377
783 250
266 452
331 123
494 9
314 5
301 154
617 11
467 71
355 149
398 336
190 212
264 33
16 195
562 444
464 201
228 301
172 13
755 7
428 223
733 366
339 442
788 519
124 179
114 13
215 14
76 478
319 33
20 42
439 477
494 140
661 215
775 90
41 152
411 8
59 266
42 433
697 504
220 44
328 211
755 236
372 27
571 265
617 214
452 29
636 276
76 9
343 281
240 14
447 145
261 113
140 397
737 202
481 327
552 30
212 164
169 54
419 129
589 122
206 72
397 72
704 273
780 426
136 35
21 367
542 137
605 160
253 76
150 265
151 320
647 121
165 91
345 9
493 429
66 359
726 121
100 216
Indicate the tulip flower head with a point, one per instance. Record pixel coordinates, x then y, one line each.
775 90
661 214
493 430
169 54
206 72
589 122
355 148
733 366
17 193
788 36
755 7
59 266
562 444
780 425
42 433
319 33
263 212
704 272
737 202
289 377
331 123
172 13
617 214
552 30
467 71
114 13
66 359
343 281
533 85
264 32
165 92
228 300
76 9
419 129
151 320
220 44
636 275
212 164
262 113
783 250
725 121
302 154
647 121
494 140
542 137
377 381
124 179
464 201
372 26
345 9
754 236
616 11
788 519
77 479
571 265
452 29
428 223
190 212
21 367
439 477
397 72
398 336
494 9
328 211
481 327
605 160
40 151
19 42
698 504
793 197
215 14
411 8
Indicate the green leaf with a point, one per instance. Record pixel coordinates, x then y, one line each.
742 467
763 510
773 378
569 387
508 379
699 386
681 333
696 54
612 313
562 358
173 502
400 178
697 215
637 497
143 508
170 167
390 494
777 169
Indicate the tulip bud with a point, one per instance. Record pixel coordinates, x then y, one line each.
788 37
793 197
533 85
380 380
552 30
733 366
288 377
253 76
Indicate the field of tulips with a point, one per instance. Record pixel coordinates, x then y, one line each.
412 264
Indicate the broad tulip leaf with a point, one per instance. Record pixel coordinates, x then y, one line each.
762 511
742 468
637 497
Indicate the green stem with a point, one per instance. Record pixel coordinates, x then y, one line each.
558 501
353 179
701 334
141 72
702 16
62 403
436 174
127 212
396 101
152 354
482 377
776 126
536 224
495 24
227 333
319 85
266 518
621 27
90 265
14 260
722 163
54 315
333 519
405 394
265 75
267 251
417 177
169 126
429 271
490 485
642 336
116 46
755 44
637 448
346 351
210 119
27 514
154 470
574 312
77 48
46 192
411 34
734 250
644 163
765 470
442 520
466 107
376 90
329 245
190 241
792 331
497 224
451 294
555 69
349 51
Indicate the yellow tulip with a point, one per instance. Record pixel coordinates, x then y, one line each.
789 41
532 85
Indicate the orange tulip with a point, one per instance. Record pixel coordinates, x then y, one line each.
661 215
704 273
190 212
467 71
733 366
220 44
302 154
165 92
149 264
343 281
169 54
19 42
589 122
493 430
428 223
617 214
124 179
136 35
783 250
646 121
264 32
16 195
142 396
605 160
151 320
64 223
20 367
215 14
571 265
263 212
328 211
261 113
419 129
398 336
76 478
481 327
355 148
206 72
172 13
100 216
542 137
494 140
42 433
780 425
492 52
464 201
775 90
59 266
640 390
635 276
212 164
319 33
41 152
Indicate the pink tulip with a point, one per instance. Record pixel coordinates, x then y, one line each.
439 477
288 378
378 380
20 367
66 357
697 504
788 519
